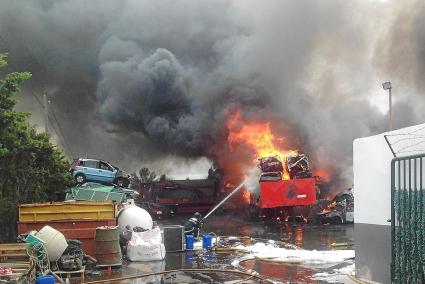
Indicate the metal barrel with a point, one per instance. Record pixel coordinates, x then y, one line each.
108 250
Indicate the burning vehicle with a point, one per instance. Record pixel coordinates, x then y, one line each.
340 210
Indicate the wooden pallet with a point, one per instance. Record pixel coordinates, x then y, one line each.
23 272
13 251
15 256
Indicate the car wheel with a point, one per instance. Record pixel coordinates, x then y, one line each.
80 178
337 220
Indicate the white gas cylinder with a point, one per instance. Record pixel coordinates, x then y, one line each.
134 216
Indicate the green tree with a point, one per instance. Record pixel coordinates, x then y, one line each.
31 168
142 182
146 176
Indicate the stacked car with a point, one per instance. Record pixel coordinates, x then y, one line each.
93 170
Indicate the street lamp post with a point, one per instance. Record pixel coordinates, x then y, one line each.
388 86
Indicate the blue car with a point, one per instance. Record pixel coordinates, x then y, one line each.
93 170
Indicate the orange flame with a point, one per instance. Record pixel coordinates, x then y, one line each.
246 195
259 137
324 174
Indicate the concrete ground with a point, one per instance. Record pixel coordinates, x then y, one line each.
306 236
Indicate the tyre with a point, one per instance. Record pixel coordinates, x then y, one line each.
122 182
336 220
80 178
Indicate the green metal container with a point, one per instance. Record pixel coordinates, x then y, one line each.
108 250
96 192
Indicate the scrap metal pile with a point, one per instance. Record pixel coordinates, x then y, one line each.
340 210
271 167
72 257
297 166
271 164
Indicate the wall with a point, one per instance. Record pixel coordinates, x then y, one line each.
372 194
372 180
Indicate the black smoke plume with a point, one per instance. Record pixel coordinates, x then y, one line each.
150 82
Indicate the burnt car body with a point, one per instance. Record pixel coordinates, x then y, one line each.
340 210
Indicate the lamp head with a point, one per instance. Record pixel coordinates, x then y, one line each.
387 85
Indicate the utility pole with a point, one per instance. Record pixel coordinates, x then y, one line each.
390 109
388 86
46 114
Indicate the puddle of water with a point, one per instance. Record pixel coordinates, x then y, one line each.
280 272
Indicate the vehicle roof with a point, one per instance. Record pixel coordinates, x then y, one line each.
90 159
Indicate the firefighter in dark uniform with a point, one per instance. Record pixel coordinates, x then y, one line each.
193 225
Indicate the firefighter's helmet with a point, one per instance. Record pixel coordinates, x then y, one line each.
198 216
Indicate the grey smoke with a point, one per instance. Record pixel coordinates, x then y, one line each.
139 81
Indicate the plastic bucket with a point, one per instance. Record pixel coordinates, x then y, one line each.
189 241
46 279
206 242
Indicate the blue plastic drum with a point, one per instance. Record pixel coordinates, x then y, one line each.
206 241
189 241
45 279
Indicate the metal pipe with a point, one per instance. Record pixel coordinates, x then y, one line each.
224 200
390 110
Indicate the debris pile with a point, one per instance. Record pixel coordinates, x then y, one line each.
72 257
273 168
298 166
271 164
340 210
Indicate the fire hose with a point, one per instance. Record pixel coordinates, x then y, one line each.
356 280
200 270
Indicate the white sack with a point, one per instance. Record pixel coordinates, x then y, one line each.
146 246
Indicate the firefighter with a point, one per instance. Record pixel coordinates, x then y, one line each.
193 225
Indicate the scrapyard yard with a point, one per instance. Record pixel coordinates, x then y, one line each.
214 141
240 237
